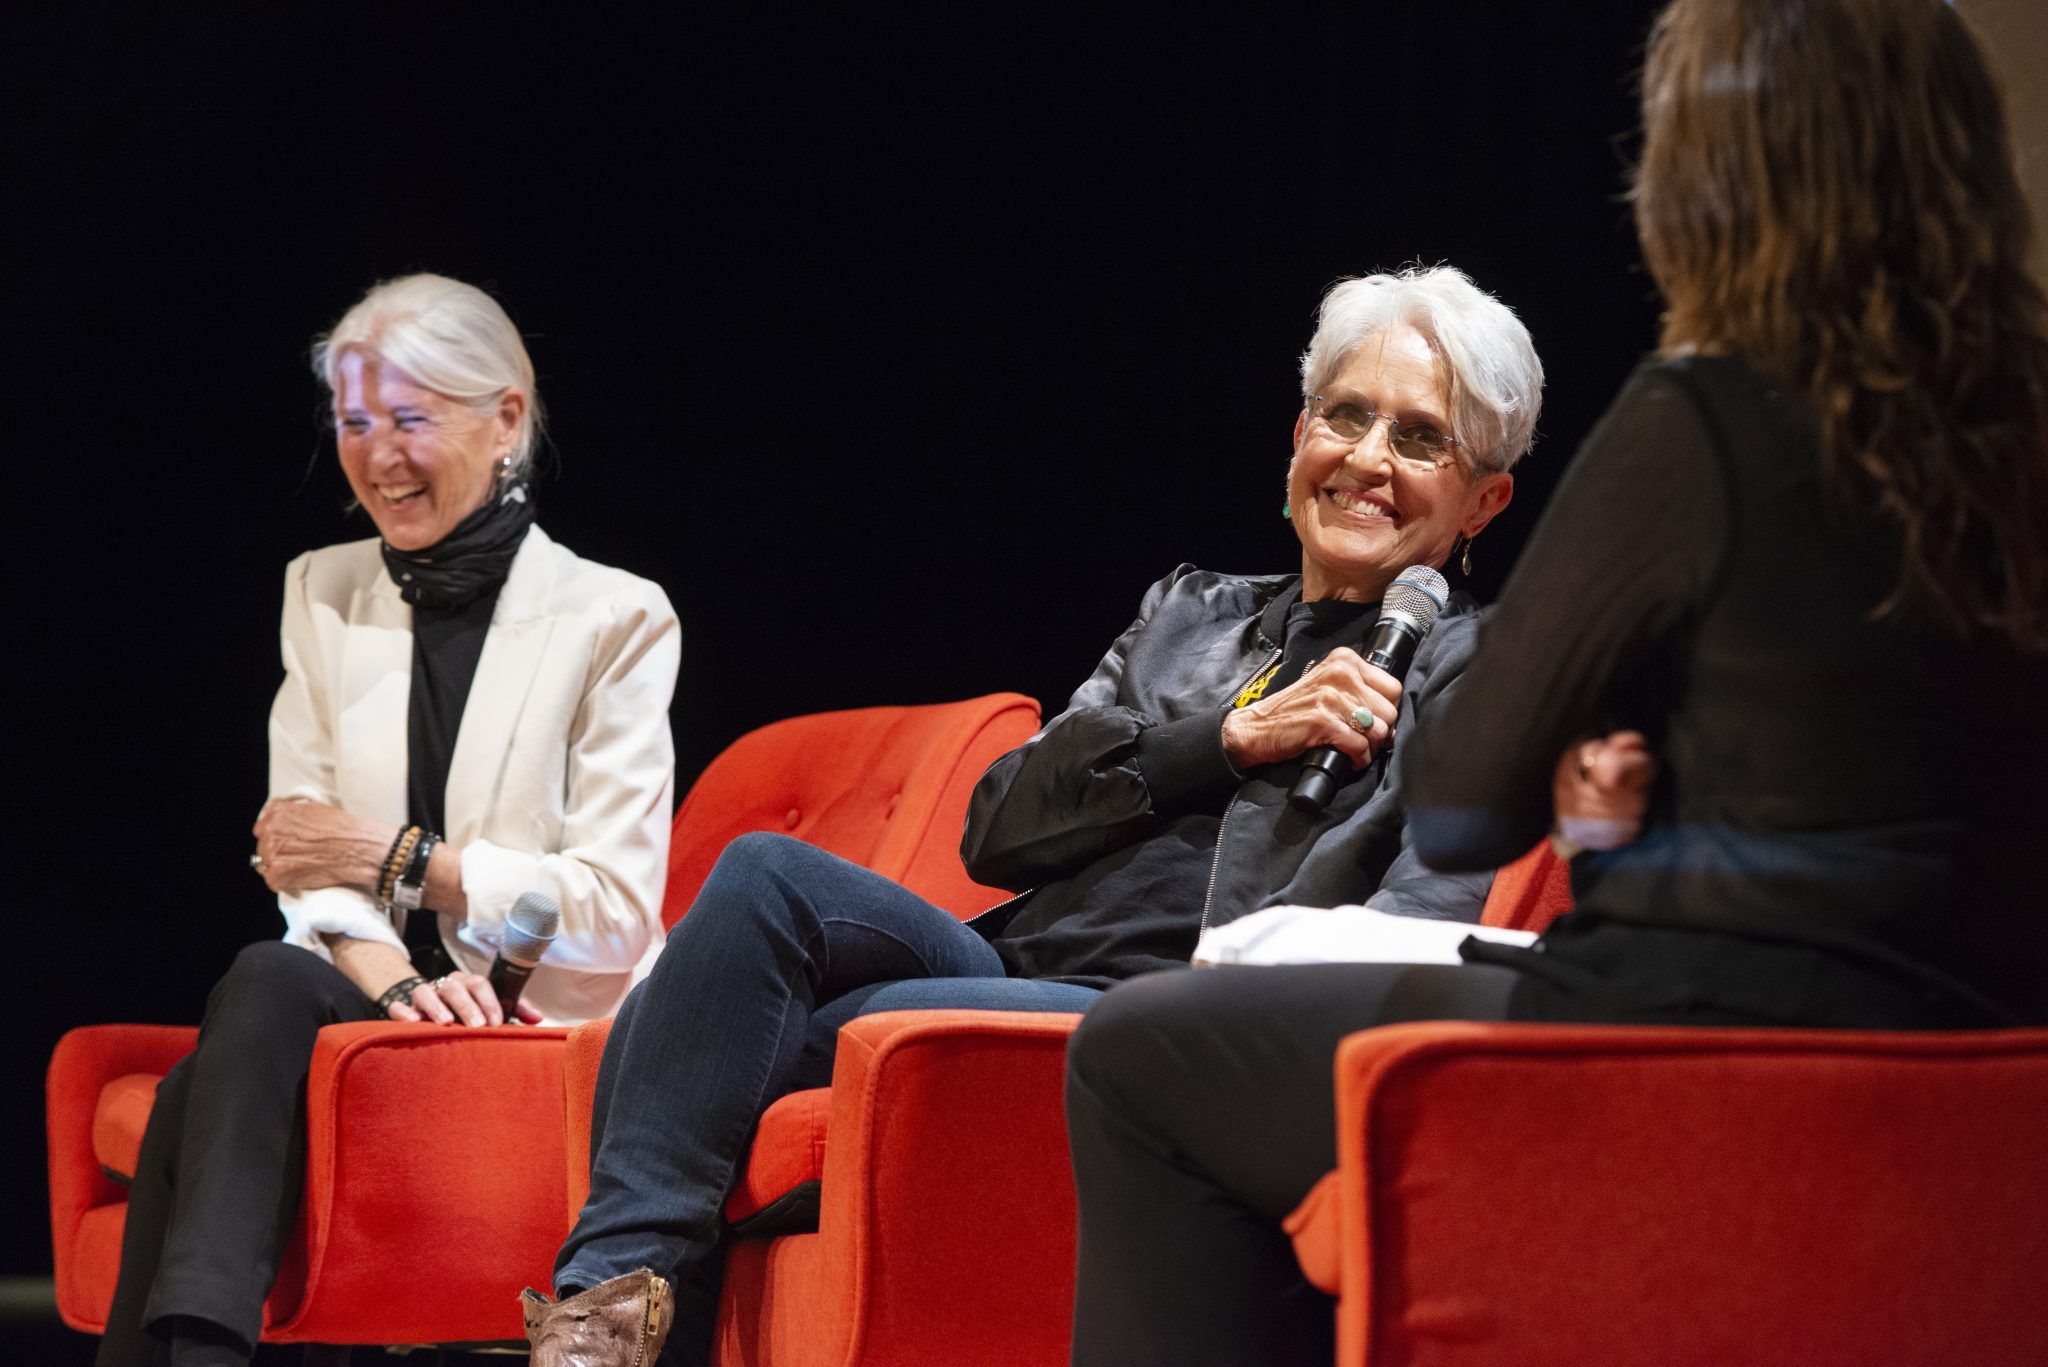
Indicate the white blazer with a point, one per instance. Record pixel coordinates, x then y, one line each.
563 771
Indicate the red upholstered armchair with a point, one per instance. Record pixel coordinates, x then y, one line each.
873 785
1602 1194
945 1204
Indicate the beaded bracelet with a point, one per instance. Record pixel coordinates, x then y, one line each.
410 892
384 870
398 992
395 862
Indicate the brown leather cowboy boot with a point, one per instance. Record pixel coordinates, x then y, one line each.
619 1323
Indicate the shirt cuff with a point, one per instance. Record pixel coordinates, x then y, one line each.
1182 762
311 916
492 879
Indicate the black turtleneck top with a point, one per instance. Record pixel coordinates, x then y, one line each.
453 588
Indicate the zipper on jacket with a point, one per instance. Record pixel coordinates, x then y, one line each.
1215 863
1223 826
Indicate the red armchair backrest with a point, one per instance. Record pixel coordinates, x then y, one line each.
885 787
1530 893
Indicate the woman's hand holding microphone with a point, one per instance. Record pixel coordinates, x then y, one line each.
1340 701
1600 792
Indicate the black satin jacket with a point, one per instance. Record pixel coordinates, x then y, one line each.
1076 793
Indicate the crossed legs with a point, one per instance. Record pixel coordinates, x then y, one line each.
782 946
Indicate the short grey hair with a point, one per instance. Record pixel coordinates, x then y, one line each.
1496 382
450 337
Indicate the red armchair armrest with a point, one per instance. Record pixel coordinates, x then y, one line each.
86 1206
432 1183
946 1223
433 1179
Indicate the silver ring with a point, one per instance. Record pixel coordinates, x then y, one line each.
440 982
1361 721
256 862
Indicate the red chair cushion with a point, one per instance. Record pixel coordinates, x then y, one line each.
119 1119
789 1150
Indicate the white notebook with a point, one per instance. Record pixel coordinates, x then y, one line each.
1342 935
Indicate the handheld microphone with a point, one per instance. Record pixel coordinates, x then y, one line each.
1407 613
529 930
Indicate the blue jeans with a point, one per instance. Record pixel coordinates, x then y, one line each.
784 944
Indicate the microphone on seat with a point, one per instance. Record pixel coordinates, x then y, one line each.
1407 613
529 930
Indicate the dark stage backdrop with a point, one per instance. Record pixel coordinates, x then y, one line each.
904 347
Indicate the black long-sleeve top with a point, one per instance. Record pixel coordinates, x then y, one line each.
447 645
1846 804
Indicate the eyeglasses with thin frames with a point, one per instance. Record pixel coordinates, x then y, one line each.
1419 445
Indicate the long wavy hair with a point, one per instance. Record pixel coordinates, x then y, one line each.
1827 191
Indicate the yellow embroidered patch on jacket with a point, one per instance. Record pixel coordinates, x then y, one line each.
1256 689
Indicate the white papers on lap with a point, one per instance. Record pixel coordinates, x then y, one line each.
1342 935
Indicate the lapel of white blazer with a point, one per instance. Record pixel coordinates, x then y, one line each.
518 639
376 685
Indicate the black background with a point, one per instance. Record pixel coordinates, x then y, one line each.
903 347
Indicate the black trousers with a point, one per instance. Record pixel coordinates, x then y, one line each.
222 1167
1199 1107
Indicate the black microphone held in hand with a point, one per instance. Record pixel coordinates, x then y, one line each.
529 930
1407 612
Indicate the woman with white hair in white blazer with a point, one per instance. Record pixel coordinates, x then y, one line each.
469 712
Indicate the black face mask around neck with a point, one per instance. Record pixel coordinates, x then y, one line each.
469 562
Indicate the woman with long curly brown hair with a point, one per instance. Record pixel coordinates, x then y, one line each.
1803 560
1861 240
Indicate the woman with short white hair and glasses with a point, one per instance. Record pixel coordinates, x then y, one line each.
1155 804
469 712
